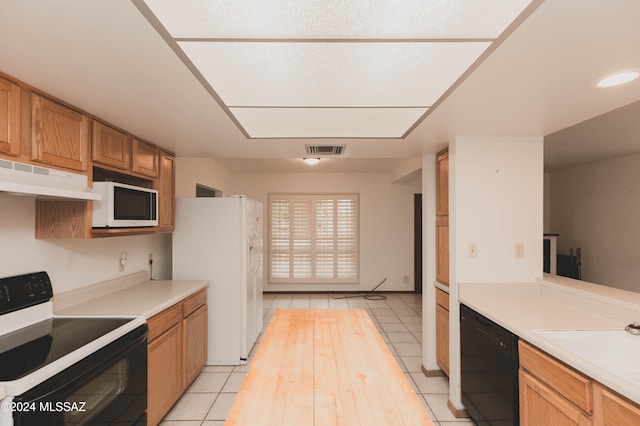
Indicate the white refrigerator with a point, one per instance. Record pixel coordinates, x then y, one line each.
220 240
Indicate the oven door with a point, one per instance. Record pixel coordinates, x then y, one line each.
107 387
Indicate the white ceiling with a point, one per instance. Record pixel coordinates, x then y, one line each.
104 57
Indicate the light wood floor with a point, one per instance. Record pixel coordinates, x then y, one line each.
325 367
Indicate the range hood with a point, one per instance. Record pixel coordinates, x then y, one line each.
29 180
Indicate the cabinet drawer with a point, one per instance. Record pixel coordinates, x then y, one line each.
194 302
564 380
166 319
442 298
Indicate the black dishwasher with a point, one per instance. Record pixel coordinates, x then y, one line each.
489 370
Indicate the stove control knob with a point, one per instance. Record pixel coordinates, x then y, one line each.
29 290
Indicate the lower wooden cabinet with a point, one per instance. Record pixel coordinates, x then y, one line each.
552 393
165 383
176 353
194 347
611 409
541 405
442 330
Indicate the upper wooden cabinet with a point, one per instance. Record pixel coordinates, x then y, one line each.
9 118
59 135
36 128
110 147
145 159
166 192
442 184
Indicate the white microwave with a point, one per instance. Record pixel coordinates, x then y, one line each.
124 206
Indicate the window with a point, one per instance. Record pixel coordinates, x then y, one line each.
313 238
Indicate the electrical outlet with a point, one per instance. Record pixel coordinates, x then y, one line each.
472 252
150 258
519 250
405 279
122 261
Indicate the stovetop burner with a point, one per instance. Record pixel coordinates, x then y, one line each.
35 344
27 349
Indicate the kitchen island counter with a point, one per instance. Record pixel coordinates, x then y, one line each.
558 304
132 295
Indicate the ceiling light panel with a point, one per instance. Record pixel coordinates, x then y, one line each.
327 122
336 19
330 68
331 74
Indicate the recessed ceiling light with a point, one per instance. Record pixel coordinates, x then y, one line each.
618 78
311 161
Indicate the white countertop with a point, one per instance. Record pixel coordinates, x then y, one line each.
145 298
523 308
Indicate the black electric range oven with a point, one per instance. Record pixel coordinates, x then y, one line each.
67 370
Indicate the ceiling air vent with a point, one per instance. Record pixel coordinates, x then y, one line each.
325 149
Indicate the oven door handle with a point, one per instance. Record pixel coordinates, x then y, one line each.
87 367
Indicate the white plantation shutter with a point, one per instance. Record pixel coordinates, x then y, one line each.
313 238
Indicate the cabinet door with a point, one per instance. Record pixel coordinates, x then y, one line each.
110 147
166 192
165 373
442 338
9 118
145 159
60 136
541 406
195 343
442 184
442 249
611 409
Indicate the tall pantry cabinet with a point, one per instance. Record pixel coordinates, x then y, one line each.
442 260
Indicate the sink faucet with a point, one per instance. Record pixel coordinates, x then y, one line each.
633 328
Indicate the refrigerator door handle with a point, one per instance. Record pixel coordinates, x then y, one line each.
254 250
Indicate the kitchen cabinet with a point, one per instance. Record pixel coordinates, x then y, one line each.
442 217
110 147
59 135
554 393
442 330
541 405
164 357
195 335
9 118
145 159
442 183
166 192
568 383
442 249
36 128
611 409
176 354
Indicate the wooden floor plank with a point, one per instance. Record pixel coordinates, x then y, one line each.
325 367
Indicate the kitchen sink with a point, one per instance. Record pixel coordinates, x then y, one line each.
614 350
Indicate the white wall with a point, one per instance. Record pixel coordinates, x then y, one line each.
498 203
386 221
597 207
205 171
495 200
73 263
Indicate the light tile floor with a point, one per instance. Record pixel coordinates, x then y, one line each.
398 319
